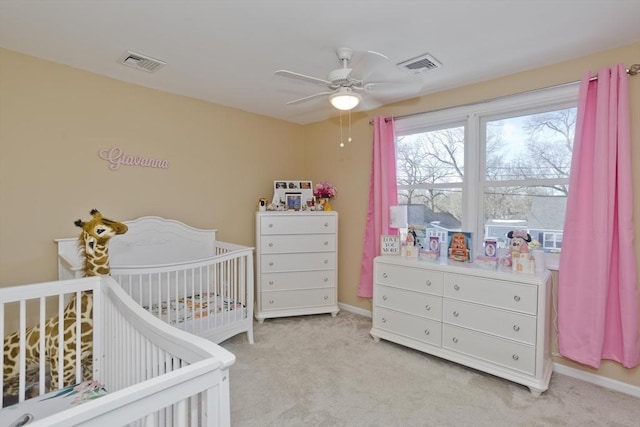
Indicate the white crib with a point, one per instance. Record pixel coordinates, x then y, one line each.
154 375
181 274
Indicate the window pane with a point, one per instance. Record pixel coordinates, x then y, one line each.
536 146
537 209
431 157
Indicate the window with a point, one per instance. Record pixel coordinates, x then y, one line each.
491 167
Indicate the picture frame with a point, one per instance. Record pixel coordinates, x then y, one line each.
293 201
460 246
389 245
282 187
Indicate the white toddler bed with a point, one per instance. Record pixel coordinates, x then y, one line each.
153 374
180 274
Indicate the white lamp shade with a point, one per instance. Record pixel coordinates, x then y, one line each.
344 99
398 216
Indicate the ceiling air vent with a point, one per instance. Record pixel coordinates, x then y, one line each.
420 64
142 62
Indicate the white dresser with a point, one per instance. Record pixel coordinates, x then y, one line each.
296 264
496 322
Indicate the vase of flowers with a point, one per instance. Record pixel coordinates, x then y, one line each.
324 192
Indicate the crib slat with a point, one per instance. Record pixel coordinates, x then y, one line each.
22 363
41 346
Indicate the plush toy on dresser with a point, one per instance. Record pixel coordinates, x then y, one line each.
519 257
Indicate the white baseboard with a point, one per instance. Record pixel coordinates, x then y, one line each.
356 310
597 379
561 369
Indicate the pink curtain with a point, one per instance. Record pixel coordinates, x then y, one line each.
597 291
383 193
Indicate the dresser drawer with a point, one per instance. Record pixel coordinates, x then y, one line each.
297 224
497 293
281 300
417 328
298 280
278 244
297 262
416 279
517 356
507 324
424 305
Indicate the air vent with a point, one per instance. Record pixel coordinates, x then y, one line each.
420 64
142 62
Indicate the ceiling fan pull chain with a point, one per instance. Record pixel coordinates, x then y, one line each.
341 141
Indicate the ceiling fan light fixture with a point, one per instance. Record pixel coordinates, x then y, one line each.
345 99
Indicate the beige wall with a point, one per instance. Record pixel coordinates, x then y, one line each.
54 120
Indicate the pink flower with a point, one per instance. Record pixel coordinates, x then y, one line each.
325 190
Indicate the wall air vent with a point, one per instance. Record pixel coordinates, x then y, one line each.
142 62
420 64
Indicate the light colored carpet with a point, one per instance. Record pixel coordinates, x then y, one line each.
325 371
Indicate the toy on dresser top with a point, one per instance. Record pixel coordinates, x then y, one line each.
518 257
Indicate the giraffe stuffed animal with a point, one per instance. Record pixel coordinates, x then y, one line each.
93 243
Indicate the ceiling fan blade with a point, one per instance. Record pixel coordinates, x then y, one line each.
367 63
298 76
306 98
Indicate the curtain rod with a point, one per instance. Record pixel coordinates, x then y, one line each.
632 71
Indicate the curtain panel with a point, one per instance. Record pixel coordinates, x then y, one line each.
597 290
383 193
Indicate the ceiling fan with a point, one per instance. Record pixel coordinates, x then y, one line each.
346 84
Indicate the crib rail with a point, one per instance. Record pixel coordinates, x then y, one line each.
156 375
211 297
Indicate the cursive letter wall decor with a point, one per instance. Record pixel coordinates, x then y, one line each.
117 157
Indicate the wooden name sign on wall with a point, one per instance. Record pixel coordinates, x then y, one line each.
117 157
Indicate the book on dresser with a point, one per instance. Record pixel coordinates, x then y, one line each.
498 322
296 264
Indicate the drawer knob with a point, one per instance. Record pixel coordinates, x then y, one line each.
326 243
455 340
271 282
456 287
428 282
427 307
516 328
516 298
426 332
326 224
515 357
270 225
271 264
270 301
326 297
384 297
456 314
385 275
326 261
270 245
384 320
326 279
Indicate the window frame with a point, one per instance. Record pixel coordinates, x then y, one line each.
474 118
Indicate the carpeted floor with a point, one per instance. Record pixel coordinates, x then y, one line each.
325 371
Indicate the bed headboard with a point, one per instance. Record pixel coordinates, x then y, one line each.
150 240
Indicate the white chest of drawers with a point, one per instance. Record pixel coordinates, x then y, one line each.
296 264
496 322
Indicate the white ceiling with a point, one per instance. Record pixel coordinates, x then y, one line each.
225 51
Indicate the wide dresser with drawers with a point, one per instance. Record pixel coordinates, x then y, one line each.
494 321
296 264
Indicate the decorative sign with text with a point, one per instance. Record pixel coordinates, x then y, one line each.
389 245
117 157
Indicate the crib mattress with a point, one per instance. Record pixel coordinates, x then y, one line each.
37 408
197 309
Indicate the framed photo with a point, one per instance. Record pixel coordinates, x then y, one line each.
460 245
389 245
283 187
293 201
